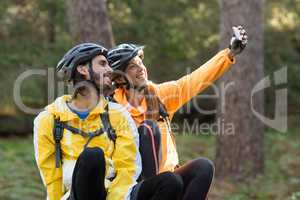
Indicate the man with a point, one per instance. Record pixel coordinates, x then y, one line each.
86 148
152 106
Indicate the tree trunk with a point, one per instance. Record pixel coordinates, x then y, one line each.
240 137
51 24
89 22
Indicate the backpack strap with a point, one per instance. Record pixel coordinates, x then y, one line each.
58 135
60 126
107 125
165 115
162 110
111 98
89 135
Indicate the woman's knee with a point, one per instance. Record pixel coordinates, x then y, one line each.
204 167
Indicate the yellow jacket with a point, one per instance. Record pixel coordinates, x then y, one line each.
173 95
122 160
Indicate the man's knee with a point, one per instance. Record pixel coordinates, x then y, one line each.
173 181
93 156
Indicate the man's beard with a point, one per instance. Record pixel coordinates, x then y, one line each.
103 88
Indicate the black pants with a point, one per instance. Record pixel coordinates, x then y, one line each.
89 173
165 186
197 177
150 140
88 176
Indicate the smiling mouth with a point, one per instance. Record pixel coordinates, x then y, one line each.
142 76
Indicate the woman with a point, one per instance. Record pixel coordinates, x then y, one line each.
152 107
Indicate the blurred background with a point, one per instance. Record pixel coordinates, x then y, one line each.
258 162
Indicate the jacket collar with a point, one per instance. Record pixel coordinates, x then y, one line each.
60 109
120 97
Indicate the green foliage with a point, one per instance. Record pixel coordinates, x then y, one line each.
282 42
295 196
19 176
25 44
177 34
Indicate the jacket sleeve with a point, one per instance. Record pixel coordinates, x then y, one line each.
175 94
44 147
126 158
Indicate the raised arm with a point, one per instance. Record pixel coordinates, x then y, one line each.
175 94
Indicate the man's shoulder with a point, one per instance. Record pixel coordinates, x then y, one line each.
43 116
114 105
119 112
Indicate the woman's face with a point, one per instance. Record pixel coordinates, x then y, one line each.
136 71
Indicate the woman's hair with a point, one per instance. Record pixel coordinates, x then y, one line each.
151 97
152 102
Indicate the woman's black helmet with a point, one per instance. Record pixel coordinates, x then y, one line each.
119 56
79 54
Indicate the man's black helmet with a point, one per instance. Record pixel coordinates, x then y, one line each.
119 56
79 54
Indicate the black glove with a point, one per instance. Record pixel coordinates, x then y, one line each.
238 41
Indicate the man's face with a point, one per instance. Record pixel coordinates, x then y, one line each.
136 71
102 72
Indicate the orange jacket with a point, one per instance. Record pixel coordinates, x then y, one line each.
173 95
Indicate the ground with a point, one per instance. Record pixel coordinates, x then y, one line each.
19 177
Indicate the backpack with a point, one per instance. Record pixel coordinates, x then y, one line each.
59 127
